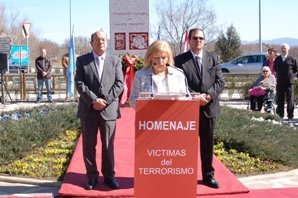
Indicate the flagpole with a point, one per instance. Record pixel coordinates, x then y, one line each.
260 27
70 68
69 18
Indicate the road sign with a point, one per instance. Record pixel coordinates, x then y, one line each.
19 56
4 40
5 45
26 30
5 48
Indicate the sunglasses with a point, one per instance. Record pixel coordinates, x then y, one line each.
198 38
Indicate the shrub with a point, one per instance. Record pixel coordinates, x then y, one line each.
29 132
49 161
41 142
263 139
240 84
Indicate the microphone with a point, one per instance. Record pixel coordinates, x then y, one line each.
152 91
186 83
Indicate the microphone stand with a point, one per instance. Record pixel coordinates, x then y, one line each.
185 79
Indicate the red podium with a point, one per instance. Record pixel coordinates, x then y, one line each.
166 148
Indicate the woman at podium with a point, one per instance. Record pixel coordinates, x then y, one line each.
158 77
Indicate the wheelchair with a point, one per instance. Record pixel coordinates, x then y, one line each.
268 103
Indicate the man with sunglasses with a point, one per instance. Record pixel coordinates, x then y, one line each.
205 78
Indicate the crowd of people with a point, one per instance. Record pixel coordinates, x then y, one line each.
276 83
197 72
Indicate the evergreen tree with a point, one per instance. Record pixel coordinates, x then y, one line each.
228 45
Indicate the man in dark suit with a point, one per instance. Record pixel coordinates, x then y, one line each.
204 77
99 82
286 68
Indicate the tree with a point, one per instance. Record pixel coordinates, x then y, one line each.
11 26
228 46
82 45
2 20
177 16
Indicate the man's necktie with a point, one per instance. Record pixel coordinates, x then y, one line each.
199 65
99 66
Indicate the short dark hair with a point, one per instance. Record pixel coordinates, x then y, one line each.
195 30
272 49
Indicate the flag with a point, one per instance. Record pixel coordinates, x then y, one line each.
186 41
158 34
71 67
128 78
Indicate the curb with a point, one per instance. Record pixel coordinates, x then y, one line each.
39 182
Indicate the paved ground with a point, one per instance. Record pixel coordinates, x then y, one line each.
22 186
25 187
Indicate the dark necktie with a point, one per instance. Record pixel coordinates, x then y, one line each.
199 65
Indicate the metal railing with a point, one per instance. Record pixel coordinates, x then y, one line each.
22 84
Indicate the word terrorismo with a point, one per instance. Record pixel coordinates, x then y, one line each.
166 125
166 171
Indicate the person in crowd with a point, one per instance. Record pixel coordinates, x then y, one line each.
65 63
205 78
285 67
271 55
158 74
43 68
262 88
99 82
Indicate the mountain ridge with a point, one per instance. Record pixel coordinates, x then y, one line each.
278 41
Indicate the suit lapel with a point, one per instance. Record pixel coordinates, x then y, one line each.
191 65
205 64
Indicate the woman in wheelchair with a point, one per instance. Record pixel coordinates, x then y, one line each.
263 90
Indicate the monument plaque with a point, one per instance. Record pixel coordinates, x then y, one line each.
129 26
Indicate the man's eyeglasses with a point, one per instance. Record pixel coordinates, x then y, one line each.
265 71
198 38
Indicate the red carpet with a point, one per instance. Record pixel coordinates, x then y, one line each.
75 178
24 196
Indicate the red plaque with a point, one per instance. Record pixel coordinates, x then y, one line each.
138 40
120 41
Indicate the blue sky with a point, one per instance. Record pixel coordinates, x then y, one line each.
50 18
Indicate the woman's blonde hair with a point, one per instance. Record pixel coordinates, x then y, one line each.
156 48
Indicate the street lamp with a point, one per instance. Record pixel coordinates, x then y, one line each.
260 27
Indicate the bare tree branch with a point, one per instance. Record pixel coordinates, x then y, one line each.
176 16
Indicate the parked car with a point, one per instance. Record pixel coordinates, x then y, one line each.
249 63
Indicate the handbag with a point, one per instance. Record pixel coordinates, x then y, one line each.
256 91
